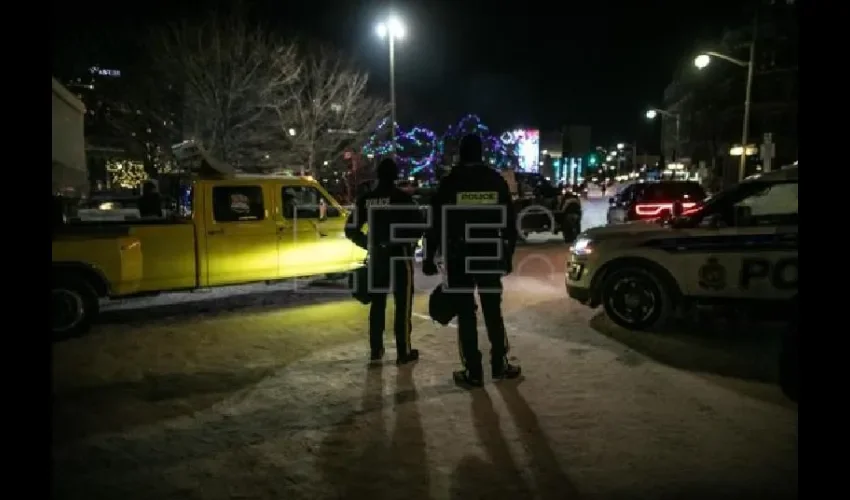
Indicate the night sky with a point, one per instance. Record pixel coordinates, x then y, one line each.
542 64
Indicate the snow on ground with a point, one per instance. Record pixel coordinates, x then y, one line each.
588 422
594 418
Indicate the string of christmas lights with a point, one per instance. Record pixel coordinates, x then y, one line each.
416 149
423 143
496 151
420 148
126 173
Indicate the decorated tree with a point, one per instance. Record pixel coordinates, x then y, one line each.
417 150
450 142
505 154
495 151
379 144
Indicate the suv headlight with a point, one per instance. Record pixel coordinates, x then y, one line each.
582 246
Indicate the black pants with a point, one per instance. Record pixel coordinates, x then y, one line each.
396 276
462 287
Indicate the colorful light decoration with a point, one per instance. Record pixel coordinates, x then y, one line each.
496 151
416 149
380 143
419 148
418 142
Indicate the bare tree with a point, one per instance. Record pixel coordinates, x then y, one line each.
229 73
327 111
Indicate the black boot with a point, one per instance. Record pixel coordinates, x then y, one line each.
377 355
411 356
469 378
503 369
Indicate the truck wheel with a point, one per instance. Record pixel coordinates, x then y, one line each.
73 307
570 227
636 299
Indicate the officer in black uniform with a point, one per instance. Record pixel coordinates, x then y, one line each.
474 194
390 256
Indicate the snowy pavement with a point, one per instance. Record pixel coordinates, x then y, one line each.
601 413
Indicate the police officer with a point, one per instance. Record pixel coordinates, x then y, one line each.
390 256
474 194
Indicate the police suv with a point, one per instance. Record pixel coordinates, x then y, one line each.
739 245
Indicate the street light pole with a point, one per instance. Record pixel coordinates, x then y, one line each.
392 29
678 137
651 113
392 92
747 93
702 60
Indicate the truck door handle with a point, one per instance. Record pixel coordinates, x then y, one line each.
215 231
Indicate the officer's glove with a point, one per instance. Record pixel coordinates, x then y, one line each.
429 268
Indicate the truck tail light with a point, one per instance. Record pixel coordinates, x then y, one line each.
655 209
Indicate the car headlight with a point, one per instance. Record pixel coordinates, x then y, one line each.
582 246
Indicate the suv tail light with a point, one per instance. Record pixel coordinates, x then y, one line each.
656 209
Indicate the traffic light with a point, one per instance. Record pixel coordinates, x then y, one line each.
591 160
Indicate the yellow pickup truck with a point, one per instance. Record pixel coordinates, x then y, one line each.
238 229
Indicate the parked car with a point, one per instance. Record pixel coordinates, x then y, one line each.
651 200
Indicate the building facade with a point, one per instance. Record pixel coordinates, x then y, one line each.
710 103
127 120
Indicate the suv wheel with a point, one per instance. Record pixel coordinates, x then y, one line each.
635 298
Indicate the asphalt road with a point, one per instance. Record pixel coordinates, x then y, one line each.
264 392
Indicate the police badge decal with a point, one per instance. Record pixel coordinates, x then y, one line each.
712 275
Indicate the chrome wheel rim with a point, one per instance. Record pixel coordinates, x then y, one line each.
67 309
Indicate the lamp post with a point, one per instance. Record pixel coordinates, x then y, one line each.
652 113
391 29
703 60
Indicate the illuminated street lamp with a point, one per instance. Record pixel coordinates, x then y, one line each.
702 61
652 113
391 29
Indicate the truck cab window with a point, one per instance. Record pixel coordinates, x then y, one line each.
306 202
238 203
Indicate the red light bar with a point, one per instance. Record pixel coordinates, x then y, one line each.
655 209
